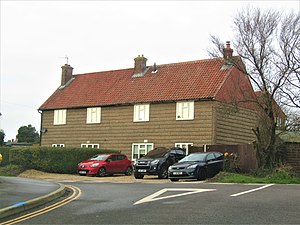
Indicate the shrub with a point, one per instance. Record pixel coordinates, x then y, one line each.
231 163
11 170
5 156
52 160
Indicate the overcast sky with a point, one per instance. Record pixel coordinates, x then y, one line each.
99 36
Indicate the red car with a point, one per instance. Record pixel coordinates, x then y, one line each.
105 164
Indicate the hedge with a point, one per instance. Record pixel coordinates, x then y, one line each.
5 156
52 160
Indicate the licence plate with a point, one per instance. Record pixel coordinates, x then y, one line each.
142 171
82 172
177 173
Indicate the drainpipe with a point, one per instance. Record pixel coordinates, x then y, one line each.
41 112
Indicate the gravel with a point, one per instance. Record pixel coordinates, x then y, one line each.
35 174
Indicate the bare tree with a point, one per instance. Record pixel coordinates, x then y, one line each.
268 43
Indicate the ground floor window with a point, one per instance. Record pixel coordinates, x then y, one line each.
58 145
139 150
89 145
184 146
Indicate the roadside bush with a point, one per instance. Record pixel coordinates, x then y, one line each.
11 170
5 156
52 160
231 162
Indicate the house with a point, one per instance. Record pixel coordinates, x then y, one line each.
139 108
279 115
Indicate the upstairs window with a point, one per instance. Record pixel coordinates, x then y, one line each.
93 115
185 110
60 117
141 113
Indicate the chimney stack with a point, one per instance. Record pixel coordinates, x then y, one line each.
139 66
66 74
227 52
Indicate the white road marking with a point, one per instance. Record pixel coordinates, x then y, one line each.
187 191
252 190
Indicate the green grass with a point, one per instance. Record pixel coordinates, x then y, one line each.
275 178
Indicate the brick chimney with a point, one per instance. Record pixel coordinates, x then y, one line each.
66 74
139 66
227 52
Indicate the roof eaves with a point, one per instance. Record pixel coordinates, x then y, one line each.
127 103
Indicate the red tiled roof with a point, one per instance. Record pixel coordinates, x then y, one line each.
178 81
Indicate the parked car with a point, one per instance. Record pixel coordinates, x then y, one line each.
197 166
157 162
105 164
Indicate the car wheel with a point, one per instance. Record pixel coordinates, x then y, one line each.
138 176
201 175
174 179
101 172
163 173
128 171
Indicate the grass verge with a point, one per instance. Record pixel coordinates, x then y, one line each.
276 178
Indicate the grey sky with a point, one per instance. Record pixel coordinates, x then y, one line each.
98 36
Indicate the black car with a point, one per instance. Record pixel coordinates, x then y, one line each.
157 162
197 166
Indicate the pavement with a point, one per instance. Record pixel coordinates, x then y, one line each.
21 194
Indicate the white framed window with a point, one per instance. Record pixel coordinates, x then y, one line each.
140 149
60 117
278 121
185 110
184 146
141 113
93 115
90 145
58 145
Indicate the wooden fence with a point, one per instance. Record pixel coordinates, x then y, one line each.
293 156
247 155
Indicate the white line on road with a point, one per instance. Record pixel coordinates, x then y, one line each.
186 191
252 190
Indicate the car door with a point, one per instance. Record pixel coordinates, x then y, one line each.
122 163
111 164
171 158
180 154
210 164
219 161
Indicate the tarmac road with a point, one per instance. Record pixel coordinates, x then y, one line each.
177 203
18 194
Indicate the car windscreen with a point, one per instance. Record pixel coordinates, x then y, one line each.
157 153
193 157
99 157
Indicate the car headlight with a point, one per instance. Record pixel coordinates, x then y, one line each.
155 161
192 166
95 165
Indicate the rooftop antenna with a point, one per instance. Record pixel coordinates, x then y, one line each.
66 58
